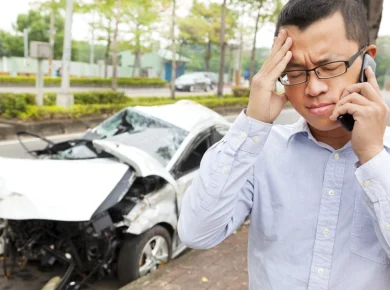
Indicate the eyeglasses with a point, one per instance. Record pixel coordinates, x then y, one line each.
324 71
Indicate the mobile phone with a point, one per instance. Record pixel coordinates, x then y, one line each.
347 120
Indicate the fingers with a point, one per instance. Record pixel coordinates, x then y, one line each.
353 98
278 43
349 108
281 66
371 79
365 89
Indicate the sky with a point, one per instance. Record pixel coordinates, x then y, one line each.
80 30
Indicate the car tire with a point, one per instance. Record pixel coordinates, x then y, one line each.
191 89
207 88
132 251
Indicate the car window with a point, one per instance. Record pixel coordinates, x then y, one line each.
217 133
192 161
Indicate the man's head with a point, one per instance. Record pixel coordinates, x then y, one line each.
323 31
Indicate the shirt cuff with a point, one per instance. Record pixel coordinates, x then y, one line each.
373 176
247 134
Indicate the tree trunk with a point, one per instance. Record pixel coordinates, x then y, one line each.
238 72
115 47
230 69
223 45
252 66
173 74
137 64
51 41
208 56
107 53
374 17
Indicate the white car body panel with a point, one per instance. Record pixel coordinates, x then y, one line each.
59 190
156 207
142 162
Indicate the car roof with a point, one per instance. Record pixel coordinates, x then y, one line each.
185 114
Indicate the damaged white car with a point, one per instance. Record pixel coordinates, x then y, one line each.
106 203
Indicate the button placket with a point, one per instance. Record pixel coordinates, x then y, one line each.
327 222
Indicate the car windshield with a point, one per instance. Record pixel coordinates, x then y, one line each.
134 128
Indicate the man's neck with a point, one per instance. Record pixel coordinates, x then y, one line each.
336 138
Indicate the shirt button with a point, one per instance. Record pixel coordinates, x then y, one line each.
337 156
367 183
331 192
387 227
225 169
243 135
320 271
325 231
256 139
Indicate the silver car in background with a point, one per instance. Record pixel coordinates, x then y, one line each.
191 82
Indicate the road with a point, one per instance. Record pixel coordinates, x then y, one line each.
147 92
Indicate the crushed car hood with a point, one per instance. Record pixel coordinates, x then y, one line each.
63 190
142 162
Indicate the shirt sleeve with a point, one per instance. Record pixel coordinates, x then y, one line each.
220 196
373 176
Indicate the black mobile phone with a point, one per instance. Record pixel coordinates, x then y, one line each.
347 120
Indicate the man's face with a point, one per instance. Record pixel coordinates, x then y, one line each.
322 42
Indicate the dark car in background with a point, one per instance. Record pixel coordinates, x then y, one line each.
193 81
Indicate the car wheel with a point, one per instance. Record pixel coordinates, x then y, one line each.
144 254
191 89
208 88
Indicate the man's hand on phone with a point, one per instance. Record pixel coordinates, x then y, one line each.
264 104
365 103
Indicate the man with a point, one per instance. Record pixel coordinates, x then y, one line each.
317 194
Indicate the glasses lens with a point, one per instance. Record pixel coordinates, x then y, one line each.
293 78
330 70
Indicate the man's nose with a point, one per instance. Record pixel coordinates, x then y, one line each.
315 86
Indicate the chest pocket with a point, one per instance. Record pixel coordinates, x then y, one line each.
364 241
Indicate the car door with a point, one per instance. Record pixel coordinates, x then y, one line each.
188 165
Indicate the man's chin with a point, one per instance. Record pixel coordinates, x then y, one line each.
324 124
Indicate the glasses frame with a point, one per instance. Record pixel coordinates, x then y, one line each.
347 63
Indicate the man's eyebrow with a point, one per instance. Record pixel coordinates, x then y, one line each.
322 60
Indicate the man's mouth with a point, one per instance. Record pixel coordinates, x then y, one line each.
321 109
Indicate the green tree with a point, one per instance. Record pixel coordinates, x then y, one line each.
11 45
38 29
203 26
52 8
383 59
140 15
104 24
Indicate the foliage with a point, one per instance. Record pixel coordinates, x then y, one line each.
89 104
38 26
383 59
131 82
241 91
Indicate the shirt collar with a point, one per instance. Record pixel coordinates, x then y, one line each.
298 127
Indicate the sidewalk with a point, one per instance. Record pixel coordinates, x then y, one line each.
223 267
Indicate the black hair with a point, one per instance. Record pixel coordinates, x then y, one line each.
303 13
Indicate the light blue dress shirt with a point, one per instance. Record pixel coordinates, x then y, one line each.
318 219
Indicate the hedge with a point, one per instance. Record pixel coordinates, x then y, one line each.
241 91
22 106
36 113
131 82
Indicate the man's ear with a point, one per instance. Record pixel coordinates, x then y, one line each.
371 50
